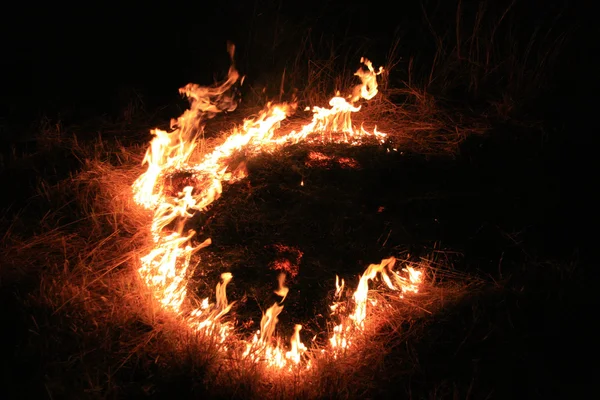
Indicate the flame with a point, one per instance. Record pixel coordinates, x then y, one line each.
166 268
268 322
339 287
368 89
172 150
283 290
341 337
222 304
297 347
360 295
260 348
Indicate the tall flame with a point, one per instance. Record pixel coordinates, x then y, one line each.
172 150
297 347
166 268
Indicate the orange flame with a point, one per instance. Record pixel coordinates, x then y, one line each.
282 290
297 347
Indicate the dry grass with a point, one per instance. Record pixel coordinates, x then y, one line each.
70 254
91 314
485 65
95 332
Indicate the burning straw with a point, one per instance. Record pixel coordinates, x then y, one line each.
165 269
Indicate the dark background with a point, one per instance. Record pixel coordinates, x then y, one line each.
84 57
72 63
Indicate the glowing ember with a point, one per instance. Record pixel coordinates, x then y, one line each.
288 260
166 268
318 159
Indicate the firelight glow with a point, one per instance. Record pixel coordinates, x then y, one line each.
165 270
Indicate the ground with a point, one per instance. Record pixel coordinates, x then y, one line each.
485 184
489 217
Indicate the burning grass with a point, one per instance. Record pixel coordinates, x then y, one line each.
92 313
92 330
122 314
130 310
166 268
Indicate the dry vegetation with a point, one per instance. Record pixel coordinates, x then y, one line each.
86 327
69 259
90 314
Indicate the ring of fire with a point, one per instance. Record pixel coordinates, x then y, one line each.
165 270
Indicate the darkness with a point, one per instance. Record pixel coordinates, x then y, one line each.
82 61
84 56
86 60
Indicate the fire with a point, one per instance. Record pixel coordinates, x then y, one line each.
166 268
283 290
388 275
172 150
297 347
368 89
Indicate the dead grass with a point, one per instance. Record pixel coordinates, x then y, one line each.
70 254
89 313
484 66
69 261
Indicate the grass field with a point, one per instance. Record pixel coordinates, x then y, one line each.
474 186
